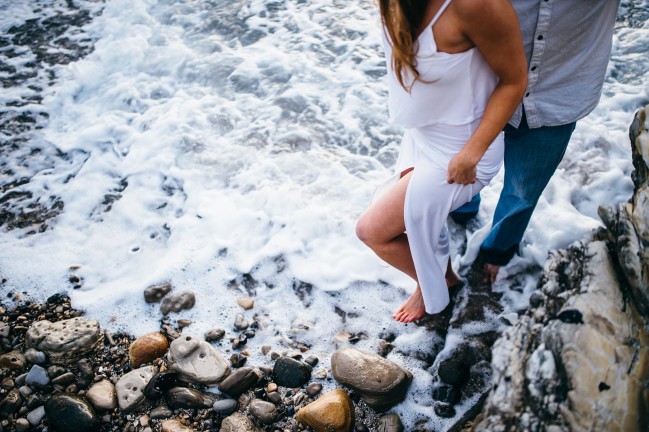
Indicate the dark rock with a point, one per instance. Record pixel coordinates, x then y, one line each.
178 302
183 397
446 393
10 404
570 316
238 360
159 384
86 373
71 413
454 371
274 397
64 379
214 335
313 388
444 410
239 381
289 372
312 361
161 412
225 406
155 293
263 411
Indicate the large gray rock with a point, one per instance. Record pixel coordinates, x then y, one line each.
380 382
238 422
130 387
64 341
578 360
197 361
628 223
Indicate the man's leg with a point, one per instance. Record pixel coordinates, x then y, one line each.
531 157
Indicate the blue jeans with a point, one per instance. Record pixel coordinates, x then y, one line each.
531 157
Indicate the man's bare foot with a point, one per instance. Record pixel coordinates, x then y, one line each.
490 272
412 309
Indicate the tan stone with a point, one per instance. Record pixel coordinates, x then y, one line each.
102 395
147 348
175 425
246 302
332 412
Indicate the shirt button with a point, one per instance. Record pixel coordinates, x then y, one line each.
533 68
540 37
527 94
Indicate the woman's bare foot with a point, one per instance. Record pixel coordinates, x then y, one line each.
412 309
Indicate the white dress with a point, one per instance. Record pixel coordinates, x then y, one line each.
439 115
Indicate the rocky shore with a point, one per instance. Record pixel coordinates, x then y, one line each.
61 372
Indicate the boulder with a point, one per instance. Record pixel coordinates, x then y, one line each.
628 223
332 412
130 387
197 361
560 373
380 382
66 341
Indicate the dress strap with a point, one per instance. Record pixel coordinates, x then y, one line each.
439 12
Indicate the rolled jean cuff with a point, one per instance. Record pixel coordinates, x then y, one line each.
496 257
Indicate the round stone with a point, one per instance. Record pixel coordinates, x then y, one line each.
263 411
246 302
313 388
289 372
332 412
102 395
147 348
225 406
71 413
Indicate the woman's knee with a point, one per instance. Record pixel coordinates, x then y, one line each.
365 230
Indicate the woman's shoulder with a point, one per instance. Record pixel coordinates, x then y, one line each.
474 10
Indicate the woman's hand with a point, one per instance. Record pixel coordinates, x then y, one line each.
462 169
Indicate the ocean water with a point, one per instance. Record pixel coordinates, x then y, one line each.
228 147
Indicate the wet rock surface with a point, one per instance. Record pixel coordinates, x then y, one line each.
64 341
577 359
380 382
71 413
332 412
196 360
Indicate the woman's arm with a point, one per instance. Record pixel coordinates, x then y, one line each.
493 27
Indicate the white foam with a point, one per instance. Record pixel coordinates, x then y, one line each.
255 152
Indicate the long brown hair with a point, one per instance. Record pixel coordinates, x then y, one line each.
402 20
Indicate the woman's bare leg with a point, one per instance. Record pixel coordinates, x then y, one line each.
382 228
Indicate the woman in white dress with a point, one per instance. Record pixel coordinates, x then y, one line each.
456 71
